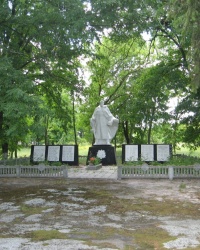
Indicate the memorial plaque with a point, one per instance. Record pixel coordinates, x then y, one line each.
163 152
131 152
53 153
38 153
68 153
147 152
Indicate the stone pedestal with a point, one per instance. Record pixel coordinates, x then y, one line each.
107 151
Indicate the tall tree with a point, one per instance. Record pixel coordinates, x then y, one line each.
112 66
186 19
40 43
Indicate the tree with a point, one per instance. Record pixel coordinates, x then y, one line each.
16 104
189 108
112 66
40 63
40 44
138 90
187 24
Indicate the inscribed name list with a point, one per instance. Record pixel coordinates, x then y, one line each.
39 153
147 152
163 152
131 152
68 153
53 153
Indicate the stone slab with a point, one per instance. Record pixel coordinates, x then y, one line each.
146 152
105 152
67 154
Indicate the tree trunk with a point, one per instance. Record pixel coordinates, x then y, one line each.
4 144
149 134
5 150
46 130
125 129
74 121
150 125
15 153
1 124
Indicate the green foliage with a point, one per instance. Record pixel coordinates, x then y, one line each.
176 160
187 24
94 160
40 65
139 93
56 163
189 108
183 160
16 104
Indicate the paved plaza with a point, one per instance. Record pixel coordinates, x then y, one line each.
106 172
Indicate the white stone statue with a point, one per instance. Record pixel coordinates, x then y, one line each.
104 125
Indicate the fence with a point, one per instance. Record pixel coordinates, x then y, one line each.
125 172
158 172
33 171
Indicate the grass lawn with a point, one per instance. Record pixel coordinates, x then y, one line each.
83 151
24 152
186 151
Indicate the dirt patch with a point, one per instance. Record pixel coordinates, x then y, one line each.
99 214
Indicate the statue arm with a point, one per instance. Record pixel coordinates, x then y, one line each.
93 121
109 115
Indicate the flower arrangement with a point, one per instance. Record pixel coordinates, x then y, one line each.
94 160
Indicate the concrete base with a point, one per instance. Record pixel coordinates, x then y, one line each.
107 150
94 167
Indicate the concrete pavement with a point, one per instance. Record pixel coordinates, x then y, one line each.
106 172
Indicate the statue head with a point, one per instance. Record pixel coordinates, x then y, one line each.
101 103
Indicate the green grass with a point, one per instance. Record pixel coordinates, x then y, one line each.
42 235
187 151
28 210
182 186
24 152
83 150
176 161
152 238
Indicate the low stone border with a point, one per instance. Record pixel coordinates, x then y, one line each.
94 167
